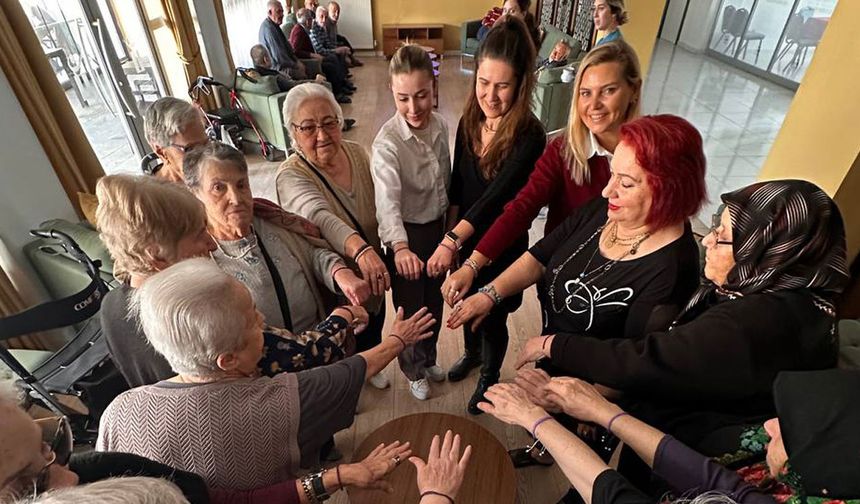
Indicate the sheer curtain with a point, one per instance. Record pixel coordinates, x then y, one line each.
244 18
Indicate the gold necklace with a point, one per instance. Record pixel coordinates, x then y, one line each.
612 237
488 129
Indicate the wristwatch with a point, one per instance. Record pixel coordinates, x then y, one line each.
317 483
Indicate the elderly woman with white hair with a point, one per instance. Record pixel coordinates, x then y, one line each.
218 417
172 127
149 224
284 269
328 181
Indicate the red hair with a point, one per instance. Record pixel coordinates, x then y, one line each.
669 150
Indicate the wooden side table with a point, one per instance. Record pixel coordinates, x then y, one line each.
490 477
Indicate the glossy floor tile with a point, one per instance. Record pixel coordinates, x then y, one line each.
738 114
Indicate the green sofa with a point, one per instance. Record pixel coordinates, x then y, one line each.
551 98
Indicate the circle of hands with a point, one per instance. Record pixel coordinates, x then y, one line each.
442 472
534 393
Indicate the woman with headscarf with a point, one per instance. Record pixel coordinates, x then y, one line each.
775 261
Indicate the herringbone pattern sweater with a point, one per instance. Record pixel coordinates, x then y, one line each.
237 433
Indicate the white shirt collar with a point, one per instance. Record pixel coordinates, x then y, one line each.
406 132
595 149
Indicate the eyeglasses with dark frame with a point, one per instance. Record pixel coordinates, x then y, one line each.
185 148
56 437
716 222
310 129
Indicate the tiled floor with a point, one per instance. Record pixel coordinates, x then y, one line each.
737 113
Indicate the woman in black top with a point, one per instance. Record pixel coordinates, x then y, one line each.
498 141
624 262
774 265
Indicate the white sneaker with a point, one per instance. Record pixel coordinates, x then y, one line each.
379 381
420 389
435 373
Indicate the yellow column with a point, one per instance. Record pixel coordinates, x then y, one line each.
820 138
641 30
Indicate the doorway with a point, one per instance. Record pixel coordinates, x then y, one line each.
103 57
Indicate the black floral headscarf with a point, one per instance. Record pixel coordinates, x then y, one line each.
786 234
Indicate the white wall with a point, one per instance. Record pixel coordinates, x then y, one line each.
30 192
696 32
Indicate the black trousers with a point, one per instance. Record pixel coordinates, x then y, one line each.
372 334
342 41
413 295
335 73
490 340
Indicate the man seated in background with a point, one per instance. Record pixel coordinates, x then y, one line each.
270 35
332 67
336 38
558 57
321 42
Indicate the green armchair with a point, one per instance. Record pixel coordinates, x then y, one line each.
469 39
551 97
264 100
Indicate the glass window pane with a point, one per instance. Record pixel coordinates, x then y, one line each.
762 35
730 25
804 31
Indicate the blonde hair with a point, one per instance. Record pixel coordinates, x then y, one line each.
577 134
141 219
410 58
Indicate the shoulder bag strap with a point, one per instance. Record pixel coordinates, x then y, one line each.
279 285
328 186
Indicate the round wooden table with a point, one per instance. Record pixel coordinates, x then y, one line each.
490 477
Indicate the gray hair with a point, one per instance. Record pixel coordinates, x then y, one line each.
304 15
168 117
259 53
10 394
298 96
321 8
128 490
272 3
188 314
196 158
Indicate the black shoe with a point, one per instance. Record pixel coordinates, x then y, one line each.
461 368
521 457
484 382
341 98
348 124
350 87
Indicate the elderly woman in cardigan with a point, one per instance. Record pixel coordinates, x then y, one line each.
204 322
327 180
282 267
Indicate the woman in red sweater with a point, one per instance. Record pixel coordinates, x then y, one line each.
573 169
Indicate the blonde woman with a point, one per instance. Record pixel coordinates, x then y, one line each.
574 168
411 168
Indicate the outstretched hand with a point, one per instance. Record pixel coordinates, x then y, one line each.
445 468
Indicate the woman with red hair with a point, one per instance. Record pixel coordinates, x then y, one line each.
627 261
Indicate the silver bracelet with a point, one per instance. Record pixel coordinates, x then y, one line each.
490 290
472 264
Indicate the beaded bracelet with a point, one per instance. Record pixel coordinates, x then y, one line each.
309 493
440 494
472 264
490 291
443 244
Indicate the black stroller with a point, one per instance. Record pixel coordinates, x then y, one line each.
82 367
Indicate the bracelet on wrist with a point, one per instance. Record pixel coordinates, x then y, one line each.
449 247
472 264
401 340
490 291
537 424
337 472
613 419
451 235
338 269
401 249
361 250
438 494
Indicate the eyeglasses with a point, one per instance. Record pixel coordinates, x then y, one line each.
716 223
185 148
310 129
57 446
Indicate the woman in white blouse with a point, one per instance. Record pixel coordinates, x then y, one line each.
411 168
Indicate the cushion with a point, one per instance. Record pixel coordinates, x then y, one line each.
86 237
